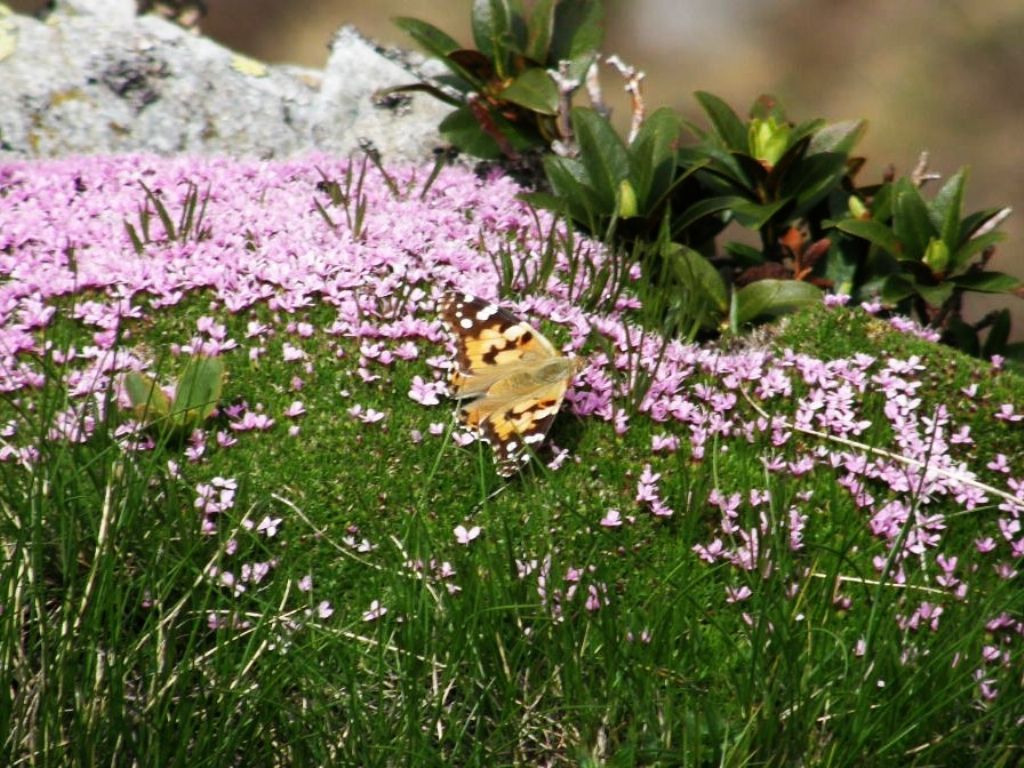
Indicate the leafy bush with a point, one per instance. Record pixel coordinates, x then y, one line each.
667 204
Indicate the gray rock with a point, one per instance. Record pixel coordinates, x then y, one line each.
95 78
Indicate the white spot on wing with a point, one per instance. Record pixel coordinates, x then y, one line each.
487 312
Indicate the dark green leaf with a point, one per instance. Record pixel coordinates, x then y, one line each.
806 130
490 25
987 282
701 209
462 129
838 137
998 335
744 255
569 181
881 205
728 127
535 90
430 38
961 336
698 275
727 172
814 179
976 245
578 30
911 223
652 157
947 207
539 30
873 231
756 215
772 297
198 390
980 219
777 174
840 267
935 295
896 288
149 403
602 153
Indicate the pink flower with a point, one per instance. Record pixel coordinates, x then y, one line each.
734 595
612 519
426 393
375 612
465 535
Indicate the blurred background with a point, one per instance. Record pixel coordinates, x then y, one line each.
946 76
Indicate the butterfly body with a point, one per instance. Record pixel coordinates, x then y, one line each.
509 378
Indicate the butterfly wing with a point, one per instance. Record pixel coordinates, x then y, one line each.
510 378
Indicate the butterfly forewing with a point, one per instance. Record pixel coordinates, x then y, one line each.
510 378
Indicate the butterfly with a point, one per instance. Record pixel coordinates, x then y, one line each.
509 378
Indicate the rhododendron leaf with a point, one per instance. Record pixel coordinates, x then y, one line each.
873 231
771 297
911 222
729 129
987 282
149 403
430 38
577 30
652 156
602 154
838 137
199 389
534 90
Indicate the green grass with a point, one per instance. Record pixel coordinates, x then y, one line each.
106 593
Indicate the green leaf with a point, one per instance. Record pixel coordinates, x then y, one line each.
998 335
814 179
987 282
873 231
198 390
756 215
896 288
980 219
489 20
577 31
744 255
701 209
652 157
962 258
569 181
838 137
535 90
947 207
910 221
935 295
960 335
699 275
462 129
430 38
602 153
728 126
772 297
149 403
539 30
